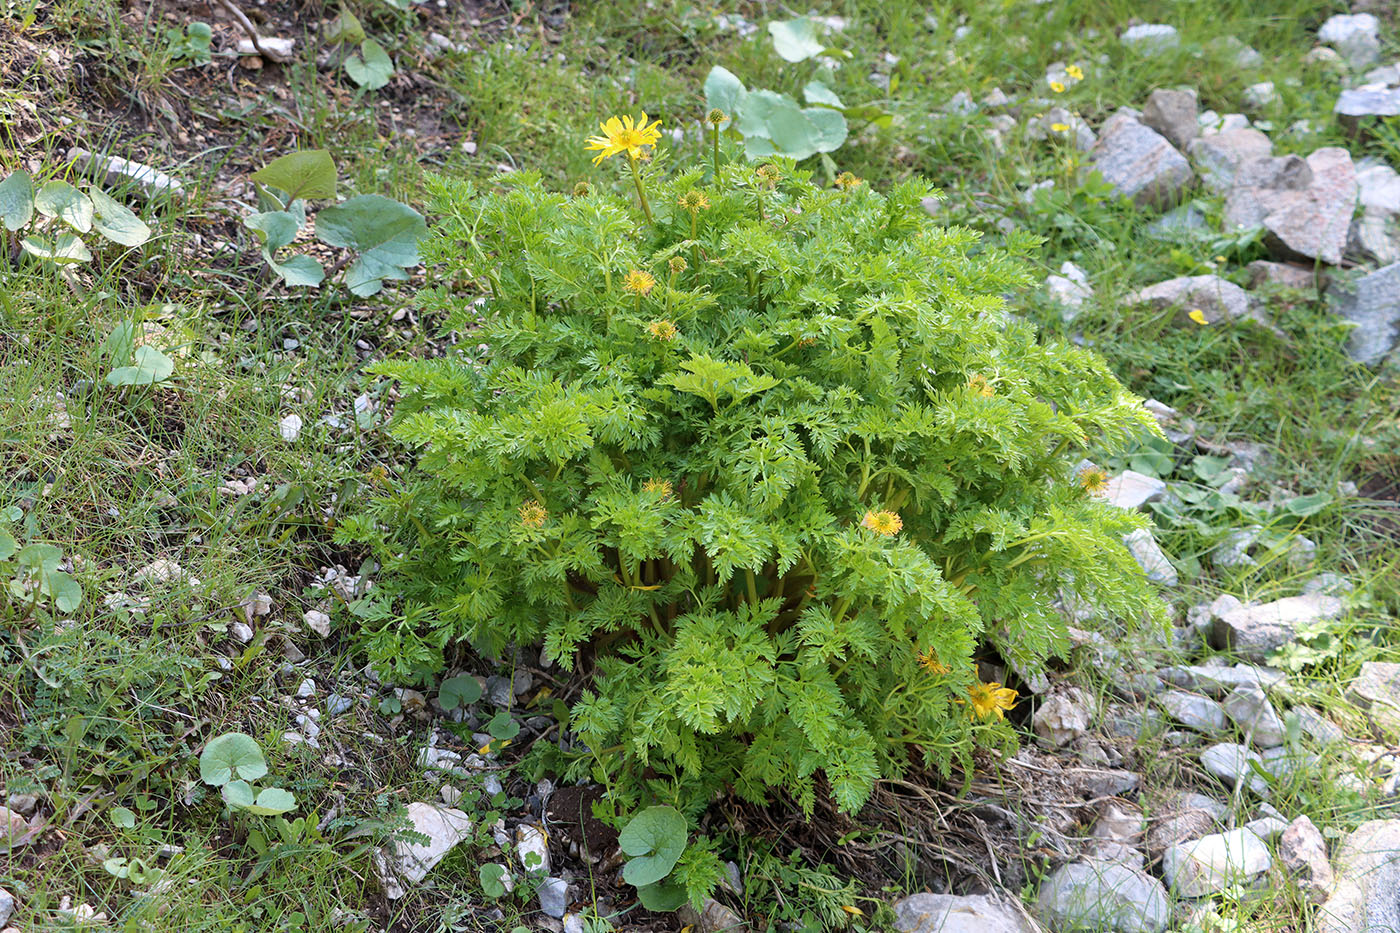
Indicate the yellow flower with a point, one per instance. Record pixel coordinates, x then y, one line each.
1060 127
1197 315
694 201
853 911
532 514
1057 86
716 116
1093 480
638 283
662 486
583 189
990 699
624 136
662 330
882 523
1075 72
980 386
677 264
928 660
846 181
768 175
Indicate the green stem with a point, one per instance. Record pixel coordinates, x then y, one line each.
641 194
753 586
716 152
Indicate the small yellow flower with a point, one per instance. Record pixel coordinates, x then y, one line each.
532 514
882 523
990 699
1220 259
716 116
845 181
694 201
853 911
661 486
1075 72
622 135
1060 127
638 283
1057 86
928 660
1093 480
980 386
1197 315
677 265
583 189
662 330
768 175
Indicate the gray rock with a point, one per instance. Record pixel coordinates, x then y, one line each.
1303 853
1154 563
1216 298
1372 303
7 906
1356 107
553 895
1133 490
1259 96
1330 582
1241 55
1255 716
337 705
945 913
1219 156
1254 632
1376 689
1194 711
1287 173
1220 680
1233 550
1366 895
1150 38
23 804
1322 57
1317 727
1119 821
1213 863
1139 163
1356 37
1267 828
113 172
1311 223
1106 850
1177 222
1103 895
1063 717
1183 817
1379 188
1263 272
410 861
1373 238
1283 762
1231 763
1106 782
573 923
1173 114
1070 289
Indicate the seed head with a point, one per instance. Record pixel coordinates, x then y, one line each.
638 283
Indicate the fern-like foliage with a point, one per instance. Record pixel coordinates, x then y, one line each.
687 510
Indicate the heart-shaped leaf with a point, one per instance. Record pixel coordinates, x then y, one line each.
459 691
16 201
8 544
231 755
151 366
276 229
61 200
116 222
272 801
725 92
345 28
124 818
817 93
306 174
298 271
796 39
384 231
370 67
502 726
661 896
492 876
64 249
655 839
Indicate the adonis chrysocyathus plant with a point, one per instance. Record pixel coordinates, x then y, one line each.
767 461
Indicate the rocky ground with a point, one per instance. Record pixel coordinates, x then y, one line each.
1239 772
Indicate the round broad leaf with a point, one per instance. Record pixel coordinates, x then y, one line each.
371 67
231 755
272 801
61 200
370 221
151 366
64 249
662 896
492 876
66 593
817 93
124 818
828 128
306 174
16 201
462 690
726 92
275 228
655 838
8 544
345 28
237 794
116 222
796 39
299 271
502 726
